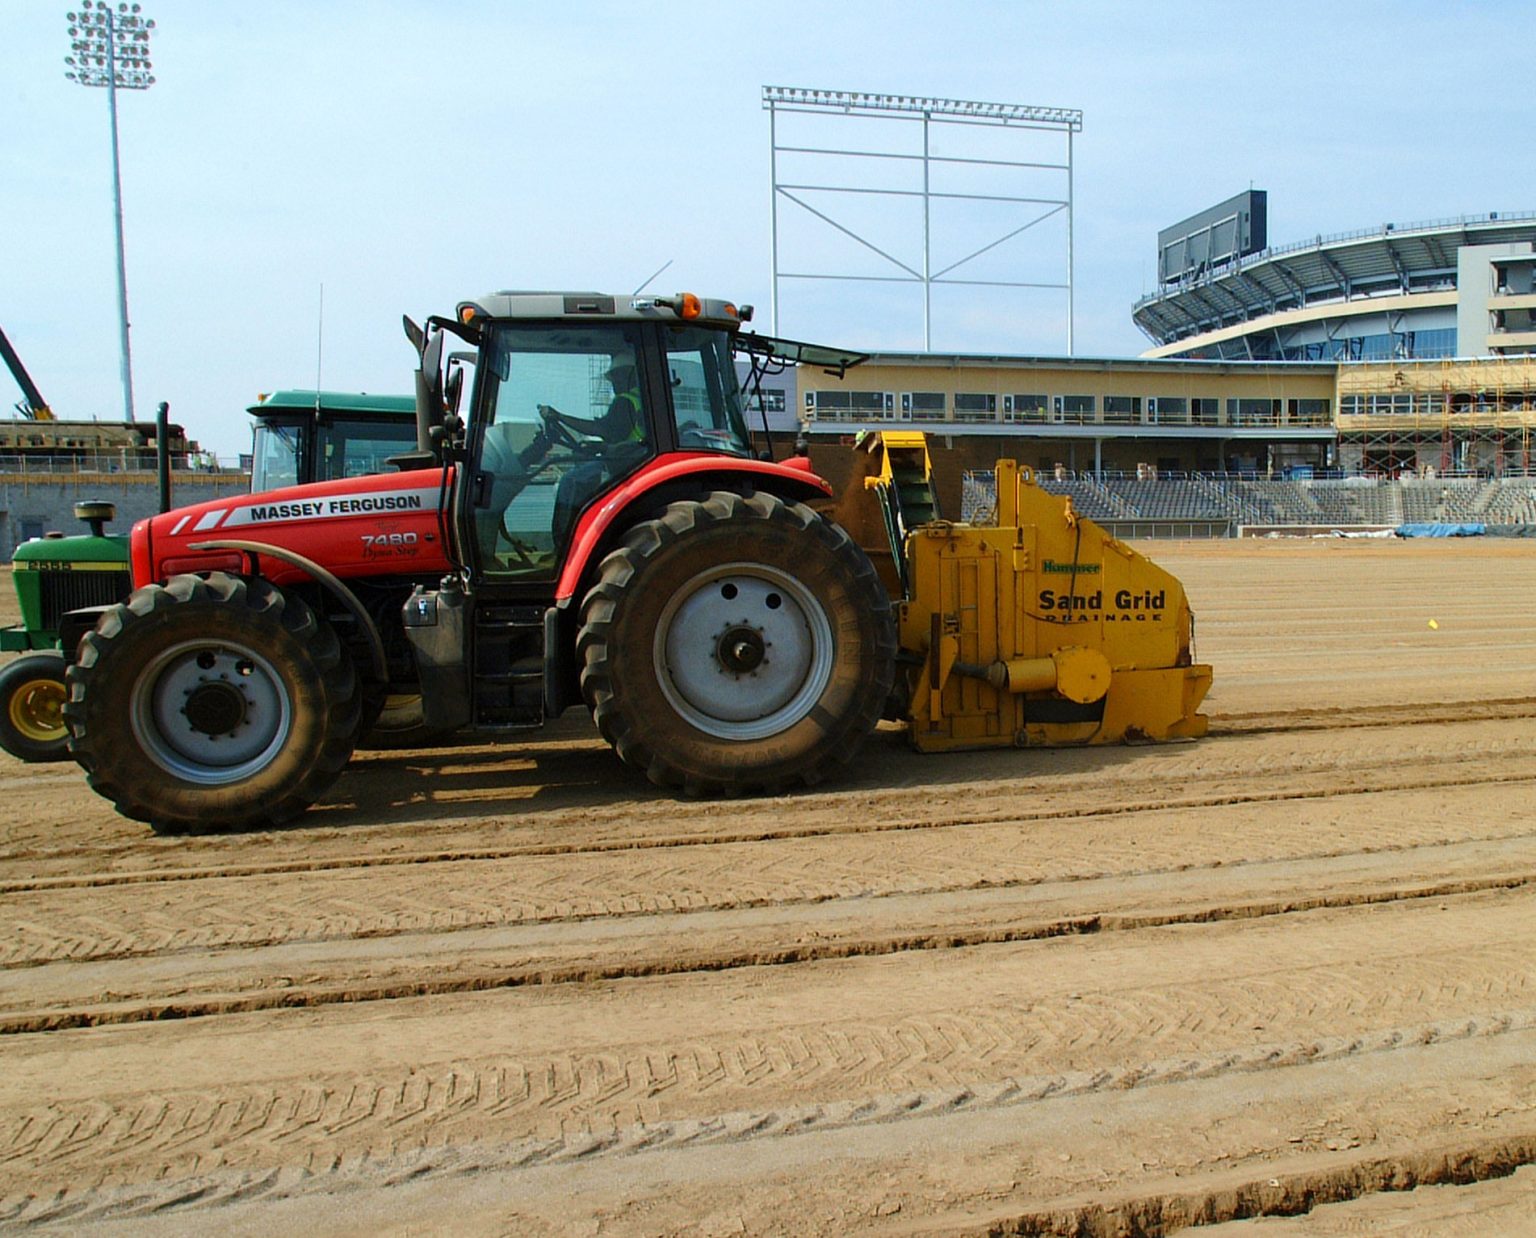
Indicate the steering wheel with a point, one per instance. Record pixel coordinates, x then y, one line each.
562 435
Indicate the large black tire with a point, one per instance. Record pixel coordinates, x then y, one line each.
212 703
31 708
736 646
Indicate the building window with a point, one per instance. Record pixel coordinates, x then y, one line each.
1076 407
1168 409
1024 407
975 406
1309 412
1439 342
1351 405
1253 412
1122 408
849 405
772 400
1205 412
924 405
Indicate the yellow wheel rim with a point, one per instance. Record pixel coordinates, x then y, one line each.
36 710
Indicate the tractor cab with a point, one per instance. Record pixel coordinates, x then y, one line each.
576 394
566 410
305 436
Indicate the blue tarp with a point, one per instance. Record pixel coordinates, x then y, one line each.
1441 530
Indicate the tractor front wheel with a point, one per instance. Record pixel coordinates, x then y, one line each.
737 645
207 703
31 708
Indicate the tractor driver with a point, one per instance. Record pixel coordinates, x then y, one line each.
622 422
622 432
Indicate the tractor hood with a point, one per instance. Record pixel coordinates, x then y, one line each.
379 525
81 550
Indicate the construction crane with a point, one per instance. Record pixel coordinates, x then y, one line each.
33 406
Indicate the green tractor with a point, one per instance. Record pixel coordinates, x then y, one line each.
300 436
54 574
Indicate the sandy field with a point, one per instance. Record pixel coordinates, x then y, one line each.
1269 982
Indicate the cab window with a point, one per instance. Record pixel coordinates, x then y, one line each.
355 447
706 398
275 455
563 419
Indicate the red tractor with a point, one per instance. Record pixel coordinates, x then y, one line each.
597 527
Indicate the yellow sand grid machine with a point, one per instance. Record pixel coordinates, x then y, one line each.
1032 626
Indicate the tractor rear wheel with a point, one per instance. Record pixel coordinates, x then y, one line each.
735 646
31 708
208 703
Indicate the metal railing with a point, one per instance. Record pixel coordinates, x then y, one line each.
1186 420
96 463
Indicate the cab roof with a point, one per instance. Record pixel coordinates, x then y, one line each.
682 307
301 401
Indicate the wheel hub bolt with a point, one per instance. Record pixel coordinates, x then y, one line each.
215 708
741 650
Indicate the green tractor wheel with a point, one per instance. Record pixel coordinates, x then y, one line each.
32 695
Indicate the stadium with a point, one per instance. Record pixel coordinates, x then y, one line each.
1426 291
1371 379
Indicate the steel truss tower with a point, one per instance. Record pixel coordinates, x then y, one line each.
926 115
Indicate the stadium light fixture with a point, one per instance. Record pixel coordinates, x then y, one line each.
927 114
110 47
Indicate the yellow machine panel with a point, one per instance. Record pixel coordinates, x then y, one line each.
1044 630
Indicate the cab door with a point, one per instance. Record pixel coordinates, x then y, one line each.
552 432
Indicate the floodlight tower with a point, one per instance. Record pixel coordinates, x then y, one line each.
929 115
111 48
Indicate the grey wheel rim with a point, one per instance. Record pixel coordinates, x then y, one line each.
210 713
743 651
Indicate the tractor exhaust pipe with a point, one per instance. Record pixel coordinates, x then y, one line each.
429 399
163 454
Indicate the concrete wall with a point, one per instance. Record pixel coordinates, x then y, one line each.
33 504
1474 286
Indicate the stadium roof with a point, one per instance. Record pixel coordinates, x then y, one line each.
956 361
1393 259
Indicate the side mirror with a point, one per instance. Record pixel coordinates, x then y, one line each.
432 360
415 334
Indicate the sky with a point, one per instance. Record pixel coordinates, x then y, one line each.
304 172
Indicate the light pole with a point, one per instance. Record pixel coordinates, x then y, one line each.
111 48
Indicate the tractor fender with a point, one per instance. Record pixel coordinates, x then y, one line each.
597 526
326 580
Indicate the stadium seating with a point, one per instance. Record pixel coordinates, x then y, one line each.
1455 500
1356 500
1337 501
1510 501
1090 498
1164 499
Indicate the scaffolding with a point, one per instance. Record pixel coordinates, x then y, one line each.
1455 417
